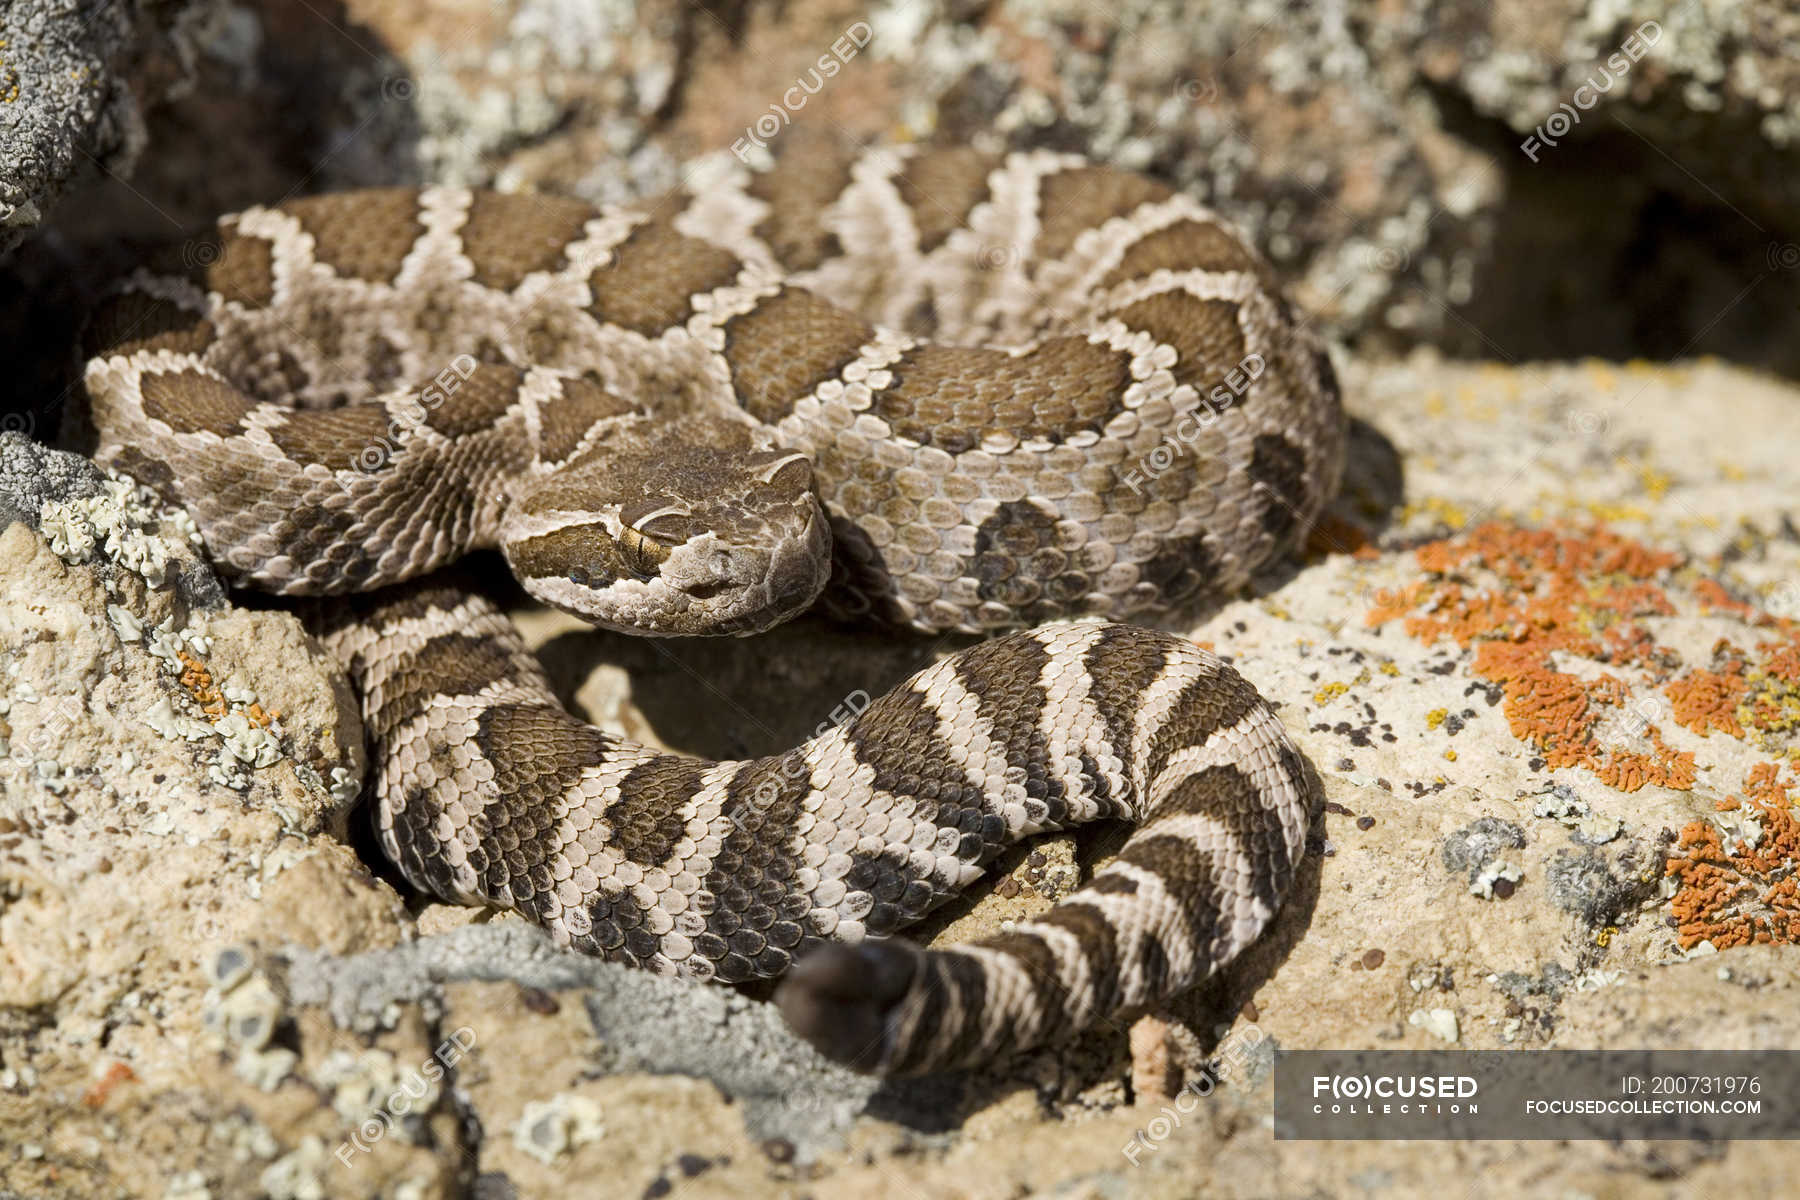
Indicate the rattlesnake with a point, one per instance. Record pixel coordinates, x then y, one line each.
944 389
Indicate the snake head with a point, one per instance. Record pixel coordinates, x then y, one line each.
674 532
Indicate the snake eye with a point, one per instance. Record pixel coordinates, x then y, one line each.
642 553
648 534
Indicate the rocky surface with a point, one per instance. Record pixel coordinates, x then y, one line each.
1545 655
1541 656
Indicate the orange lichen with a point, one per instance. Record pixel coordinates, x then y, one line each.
1781 661
1576 593
1521 597
1739 894
1393 603
1714 598
1739 694
1707 700
199 682
1529 601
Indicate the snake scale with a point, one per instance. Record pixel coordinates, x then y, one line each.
926 389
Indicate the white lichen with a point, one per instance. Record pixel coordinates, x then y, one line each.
372 1082
68 531
247 742
344 785
265 1069
188 1185
163 718
1741 830
296 1175
549 1128
184 525
1440 1023
1492 873
127 624
122 523
52 776
228 967
247 1014
1594 978
248 1138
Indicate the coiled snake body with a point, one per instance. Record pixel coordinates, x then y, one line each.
937 389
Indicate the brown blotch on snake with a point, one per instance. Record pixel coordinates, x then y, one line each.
1204 333
667 435
363 235
1188 246
942 189
479 402
951 396
241 270
650 283
131 321
509 237
786 347
194 402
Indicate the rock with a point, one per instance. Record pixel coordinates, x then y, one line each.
630 1022
175 775
57 91
1476 845
69 75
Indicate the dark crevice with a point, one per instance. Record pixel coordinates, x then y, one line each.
1652 233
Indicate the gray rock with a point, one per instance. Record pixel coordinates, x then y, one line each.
1597 889
647 1023
638 1080
65 110
31 473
